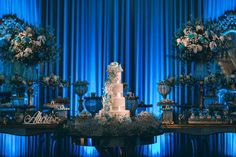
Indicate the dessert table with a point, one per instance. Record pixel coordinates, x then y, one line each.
203 129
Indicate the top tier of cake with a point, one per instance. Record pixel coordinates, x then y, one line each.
114 72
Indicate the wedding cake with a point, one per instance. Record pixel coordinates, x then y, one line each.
113 99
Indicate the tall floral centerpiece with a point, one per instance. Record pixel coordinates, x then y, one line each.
26 46
200 43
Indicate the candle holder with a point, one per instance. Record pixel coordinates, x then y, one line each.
164 89
30 93
80 88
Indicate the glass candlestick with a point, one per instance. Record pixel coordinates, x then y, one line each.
80 88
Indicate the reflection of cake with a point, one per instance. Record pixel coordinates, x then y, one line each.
113 100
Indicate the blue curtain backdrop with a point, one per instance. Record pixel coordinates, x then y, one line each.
136 33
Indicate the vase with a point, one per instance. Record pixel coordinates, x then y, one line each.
163 89
93 104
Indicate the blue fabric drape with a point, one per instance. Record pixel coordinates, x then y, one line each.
136 33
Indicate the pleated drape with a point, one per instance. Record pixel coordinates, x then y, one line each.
136 33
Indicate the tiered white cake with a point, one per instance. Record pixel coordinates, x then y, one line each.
113 99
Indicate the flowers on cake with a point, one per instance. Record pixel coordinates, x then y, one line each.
113 70
53 81
199 42
114 67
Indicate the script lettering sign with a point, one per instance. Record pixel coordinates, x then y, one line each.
40 118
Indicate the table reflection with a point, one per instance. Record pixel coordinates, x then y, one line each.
168 144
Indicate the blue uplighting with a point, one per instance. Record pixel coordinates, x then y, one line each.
137 33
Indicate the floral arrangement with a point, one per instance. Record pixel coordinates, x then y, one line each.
165 82
2 79
25 43
212 80
186 79
183 79
199 42
53 81
10 25
143 124
216 80
228 82
113 69
229 97
17 80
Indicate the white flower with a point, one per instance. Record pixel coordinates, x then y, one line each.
19 55
194 48
199 28
185 42
178 41
212 45
28 30
199 48
222 38
28 50
38 43
206 34
46 80
22 34
15 43
30 35
24 82
41 38
186 31
214 36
